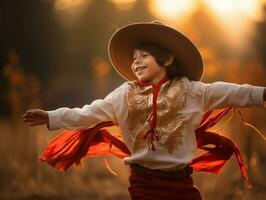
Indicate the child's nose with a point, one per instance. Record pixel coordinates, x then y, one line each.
137 60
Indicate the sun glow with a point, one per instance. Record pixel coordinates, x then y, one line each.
229 8
237 17
124 4
67 4
172 9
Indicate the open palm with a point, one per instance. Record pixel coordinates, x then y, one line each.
35 117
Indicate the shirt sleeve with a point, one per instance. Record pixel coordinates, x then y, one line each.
99 110
221 94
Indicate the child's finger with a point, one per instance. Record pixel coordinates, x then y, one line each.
29 120
28 115
24 115
30 112
35 123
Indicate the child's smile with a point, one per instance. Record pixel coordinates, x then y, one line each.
145 67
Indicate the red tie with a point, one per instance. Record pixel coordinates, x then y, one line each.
152 132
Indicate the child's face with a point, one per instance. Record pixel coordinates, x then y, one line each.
145 67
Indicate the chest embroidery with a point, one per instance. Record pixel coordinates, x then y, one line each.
171 98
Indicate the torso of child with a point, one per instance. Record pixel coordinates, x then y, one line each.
181 103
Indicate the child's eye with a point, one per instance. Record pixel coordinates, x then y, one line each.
144 55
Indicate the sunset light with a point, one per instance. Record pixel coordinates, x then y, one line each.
124 4
171 9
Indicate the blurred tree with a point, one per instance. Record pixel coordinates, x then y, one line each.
204 29
259 157
260 39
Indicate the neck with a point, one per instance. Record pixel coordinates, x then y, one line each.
160 76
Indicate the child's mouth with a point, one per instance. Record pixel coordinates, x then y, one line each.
140 69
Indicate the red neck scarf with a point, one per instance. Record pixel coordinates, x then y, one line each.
152 133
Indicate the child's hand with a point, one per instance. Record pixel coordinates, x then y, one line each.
35 117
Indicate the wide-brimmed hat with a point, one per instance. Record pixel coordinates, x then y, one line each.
124 40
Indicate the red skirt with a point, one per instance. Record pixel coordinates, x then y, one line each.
146 186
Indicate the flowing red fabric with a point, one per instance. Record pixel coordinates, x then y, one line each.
104 139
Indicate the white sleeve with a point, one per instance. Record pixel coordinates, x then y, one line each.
99 110
221 94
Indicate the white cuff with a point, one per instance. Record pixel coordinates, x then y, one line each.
257 96
54 120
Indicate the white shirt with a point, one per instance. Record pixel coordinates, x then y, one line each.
202 97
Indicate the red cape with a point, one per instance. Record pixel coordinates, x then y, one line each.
105 139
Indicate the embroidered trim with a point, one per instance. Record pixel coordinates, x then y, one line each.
170 124
139 110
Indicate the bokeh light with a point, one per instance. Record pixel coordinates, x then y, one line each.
170 10
124 4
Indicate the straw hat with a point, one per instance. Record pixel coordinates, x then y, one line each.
123 41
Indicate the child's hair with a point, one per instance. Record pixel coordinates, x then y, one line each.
161 54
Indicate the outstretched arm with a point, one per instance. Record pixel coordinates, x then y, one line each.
108 109
221 94
74 118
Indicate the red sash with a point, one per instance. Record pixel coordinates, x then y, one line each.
105 139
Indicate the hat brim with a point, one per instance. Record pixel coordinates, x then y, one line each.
122 43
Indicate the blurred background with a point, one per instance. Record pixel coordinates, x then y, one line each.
53 53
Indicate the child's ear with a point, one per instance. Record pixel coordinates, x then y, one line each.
169 60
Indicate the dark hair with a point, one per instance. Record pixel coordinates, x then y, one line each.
161 54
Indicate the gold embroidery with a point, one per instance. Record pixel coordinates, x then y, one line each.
171 98
169 120
139 108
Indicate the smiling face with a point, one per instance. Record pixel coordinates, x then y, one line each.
145 67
